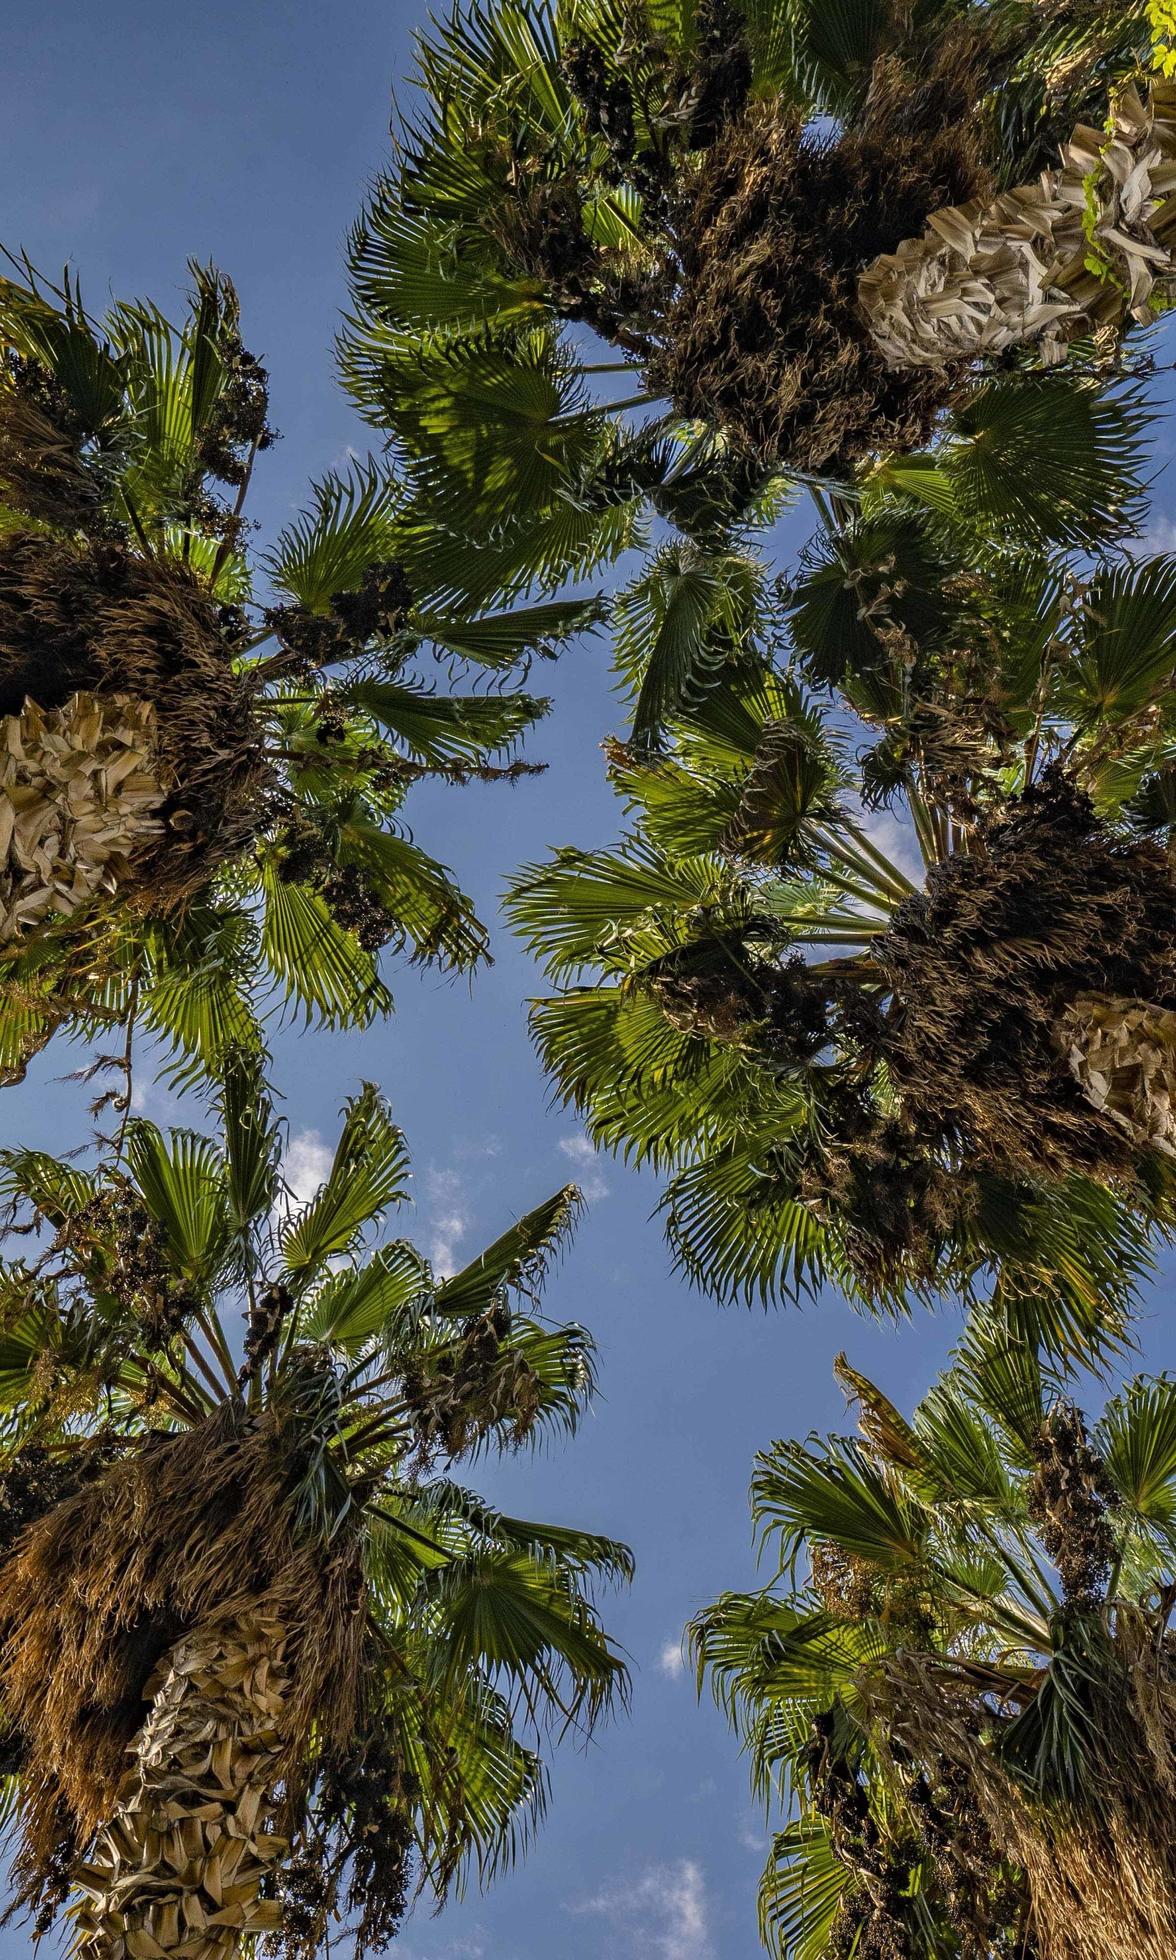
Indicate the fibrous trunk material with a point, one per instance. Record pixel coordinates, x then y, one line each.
181 1867
1123 1053
1035 982
1088 243
131 751
80 797
1099 1864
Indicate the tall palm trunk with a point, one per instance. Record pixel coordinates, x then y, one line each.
79 800
179 1870
1123 1053
1085 244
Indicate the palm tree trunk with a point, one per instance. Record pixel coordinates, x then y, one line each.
79 800
1048 260
1123 1053
179 1870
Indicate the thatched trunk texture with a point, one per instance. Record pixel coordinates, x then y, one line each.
1100 1864
1098 1893
1086 244
131 753
79 802
180 1868
1123 1053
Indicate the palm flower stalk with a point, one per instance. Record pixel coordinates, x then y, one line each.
962 1676
887 986
263 1656
205 749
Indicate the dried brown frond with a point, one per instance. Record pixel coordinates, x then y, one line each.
1069 1496
1048 907
893 1204
1100 1869
470 1386
81 619
772 230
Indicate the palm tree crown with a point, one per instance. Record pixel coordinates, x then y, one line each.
197 784
849 1072
234 1419
702 186
962 1675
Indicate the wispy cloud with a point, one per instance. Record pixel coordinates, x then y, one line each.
1159 537
671 1660
662 1914
589 1175
446 1219
151 1099
468 1946
305 1164
895 840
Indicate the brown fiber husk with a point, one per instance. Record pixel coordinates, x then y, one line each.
1089 243
1047 914
190 1533
94 618
772 231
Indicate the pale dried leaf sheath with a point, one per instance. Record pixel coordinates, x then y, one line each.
181 1868
80 797
1086 245
1123 1052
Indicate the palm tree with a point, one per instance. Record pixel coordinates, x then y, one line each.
264 1655
849 1071
962 1676
206 749
541 451
702 186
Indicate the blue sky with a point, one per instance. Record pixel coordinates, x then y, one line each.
136 135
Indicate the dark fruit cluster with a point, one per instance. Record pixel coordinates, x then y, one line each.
31 1484
979 1895
376 610
40 390
131 1249
303 1889
460 1392
722 71
369 1796
718 993
267 1316
892 1204
847 1585
351 901
606 99
1070 1499
237 426
307 859
873 1916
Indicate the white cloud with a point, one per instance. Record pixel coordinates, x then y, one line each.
1160 536
896 841
153 1100
662 1914
446 1220
671 1660
589 1176
306 1163
469 1946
